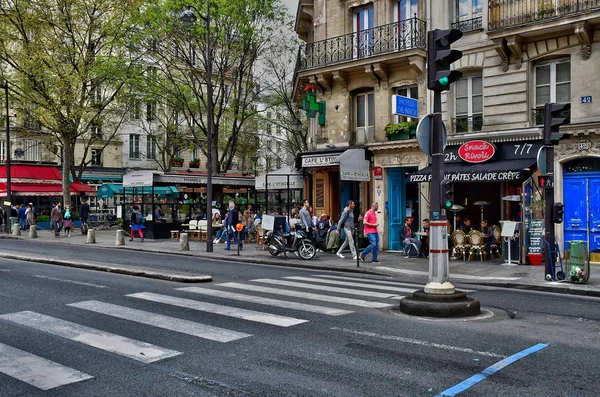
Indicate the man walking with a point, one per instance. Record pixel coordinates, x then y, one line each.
56 217
22 216
370 229
84 211
233 218
347 222
306 219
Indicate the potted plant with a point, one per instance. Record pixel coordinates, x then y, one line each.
399 131
177 161
195 163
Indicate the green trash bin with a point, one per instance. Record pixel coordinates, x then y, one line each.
578 265
13 220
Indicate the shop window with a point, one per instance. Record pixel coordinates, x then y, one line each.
151 147
552 84
363 28
134 146
364 105
409 92
468 105
96 158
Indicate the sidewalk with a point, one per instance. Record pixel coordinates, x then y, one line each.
392 263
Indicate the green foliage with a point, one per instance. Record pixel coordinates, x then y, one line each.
399 128
43 218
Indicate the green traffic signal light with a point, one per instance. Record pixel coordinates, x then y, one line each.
448 204
443 81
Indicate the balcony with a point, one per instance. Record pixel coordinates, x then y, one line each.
515 13
537 115
466 124
469 25
394 37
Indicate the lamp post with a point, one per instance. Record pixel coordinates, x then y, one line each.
255 163
188 17
8 190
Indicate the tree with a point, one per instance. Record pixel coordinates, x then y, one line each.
67 63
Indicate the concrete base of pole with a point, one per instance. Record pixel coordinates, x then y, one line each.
91 237
184 242
120 238
439 288
32 232
16 230
452 305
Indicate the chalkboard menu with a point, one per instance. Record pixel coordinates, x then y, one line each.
536 236
320 193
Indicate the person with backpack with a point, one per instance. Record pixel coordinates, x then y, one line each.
347 223
137 223
67 221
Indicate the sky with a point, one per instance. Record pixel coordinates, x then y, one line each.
292 6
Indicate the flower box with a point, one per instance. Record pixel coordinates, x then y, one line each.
398 137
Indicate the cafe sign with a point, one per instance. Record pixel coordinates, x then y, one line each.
320 161
476 151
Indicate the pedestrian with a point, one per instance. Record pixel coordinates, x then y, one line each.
67 221
370 229
306 219
22 216
30 216
84 211
346 223
56 219
408 238
137 223
230 224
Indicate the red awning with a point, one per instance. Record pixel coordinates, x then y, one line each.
36 172
39 189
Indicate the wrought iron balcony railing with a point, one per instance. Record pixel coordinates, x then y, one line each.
469 25
512 13
398 36
467 124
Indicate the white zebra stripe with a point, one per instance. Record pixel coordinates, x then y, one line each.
327 288
37 371
353 284
244 314
137 350
374 280
267 301
157 320
306 295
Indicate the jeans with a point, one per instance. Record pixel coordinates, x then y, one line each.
373 246
408 241
235 237
220 234
22 224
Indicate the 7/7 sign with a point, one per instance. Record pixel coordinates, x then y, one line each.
405 106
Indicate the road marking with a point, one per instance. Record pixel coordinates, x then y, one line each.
64 280
355 284
4 270
475 379
326 288
157 320
236 312
452 275
306 295
137 350
267 301
37 371
408 285
419 342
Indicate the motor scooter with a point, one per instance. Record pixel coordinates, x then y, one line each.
297 242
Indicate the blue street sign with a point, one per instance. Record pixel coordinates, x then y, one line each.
405 106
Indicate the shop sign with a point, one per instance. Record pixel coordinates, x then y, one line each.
355 175
378 172
484 176
320 161
536 237
138 178
476 151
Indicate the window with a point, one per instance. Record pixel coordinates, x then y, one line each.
468 104
134 146
468 15
269 124
96 128
2 150
406 9
363 26
364 105
32 150
552 85
150 111
136 109
97 96
96 158
151 147
409 92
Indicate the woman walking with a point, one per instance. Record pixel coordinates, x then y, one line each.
137 223
67 221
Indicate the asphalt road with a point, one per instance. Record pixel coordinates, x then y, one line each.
84 333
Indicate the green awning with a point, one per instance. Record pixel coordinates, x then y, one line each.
111 189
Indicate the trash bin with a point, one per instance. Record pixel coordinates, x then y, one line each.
578 264
13 220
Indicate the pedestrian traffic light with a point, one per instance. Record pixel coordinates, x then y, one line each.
558 212
553 118
440 57
446 193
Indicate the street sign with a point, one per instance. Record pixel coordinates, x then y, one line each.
546 181
405 106
424 134
541 160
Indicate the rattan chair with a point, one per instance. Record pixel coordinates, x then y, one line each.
459 240
495 244
477 246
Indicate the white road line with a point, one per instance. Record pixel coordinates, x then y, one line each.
267 301
37 371
371 280
157 320
419 342
355 284
326 288
452 275
64 280
137 350
236 312
306 295
4 270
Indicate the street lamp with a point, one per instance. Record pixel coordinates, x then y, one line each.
8 190
189 18
255 163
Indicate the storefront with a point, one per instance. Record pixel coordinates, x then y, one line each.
279 190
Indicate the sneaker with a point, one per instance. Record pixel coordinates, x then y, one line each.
296 253
354 257
362 258
375 261
341 256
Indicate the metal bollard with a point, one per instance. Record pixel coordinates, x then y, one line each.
91 237
32 231
184 242
16 230
120 239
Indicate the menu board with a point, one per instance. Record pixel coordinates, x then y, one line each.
320 193
536 236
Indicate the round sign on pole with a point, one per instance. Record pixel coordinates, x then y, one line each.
424 134
541 160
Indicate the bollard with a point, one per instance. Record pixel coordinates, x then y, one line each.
91 237
184 242
32 232
16 231
120 240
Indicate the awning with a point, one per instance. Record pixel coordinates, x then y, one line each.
45 189
353 166
200 180
31 172
493 171
108 190
279 180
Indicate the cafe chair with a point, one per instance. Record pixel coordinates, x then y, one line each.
495 243
477 246
203 229
260 238
459 240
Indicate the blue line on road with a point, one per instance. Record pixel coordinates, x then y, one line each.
473 380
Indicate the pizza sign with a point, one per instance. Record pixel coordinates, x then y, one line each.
476 151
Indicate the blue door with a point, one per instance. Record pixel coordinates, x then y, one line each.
345 194
396 206
594 192
576 209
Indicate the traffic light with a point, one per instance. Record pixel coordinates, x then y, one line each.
553 119
440 57
558 212
446 193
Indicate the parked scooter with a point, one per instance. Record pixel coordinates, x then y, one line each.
299 242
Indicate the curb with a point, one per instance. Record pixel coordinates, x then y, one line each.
127 270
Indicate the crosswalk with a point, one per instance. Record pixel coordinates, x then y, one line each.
337 296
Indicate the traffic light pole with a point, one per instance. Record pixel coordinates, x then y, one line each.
548 219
